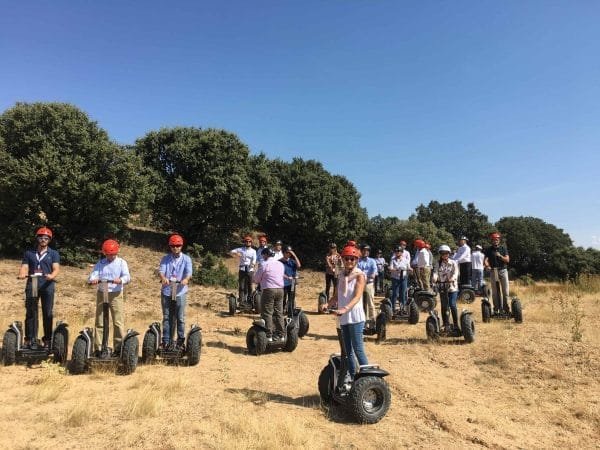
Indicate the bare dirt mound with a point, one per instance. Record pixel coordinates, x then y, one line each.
517 386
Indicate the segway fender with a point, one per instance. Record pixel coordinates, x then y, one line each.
486 301
15 327
130 333
386 301
371 370
154 328
195 329
260 323
87 334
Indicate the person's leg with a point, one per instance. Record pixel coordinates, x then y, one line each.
328 280
278 311
166 322
99 322
181 304
370 291
241 285
426 278
503 275
452 296
47 314
444 306
347 337
116 311
31 314
287 305
358 346
267 300
395 291
495 292
403 290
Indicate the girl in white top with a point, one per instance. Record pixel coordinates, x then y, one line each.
448 274
348 294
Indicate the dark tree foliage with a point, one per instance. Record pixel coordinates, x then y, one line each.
456 219
203 184
60 169
538 248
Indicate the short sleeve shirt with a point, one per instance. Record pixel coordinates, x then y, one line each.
495 262
41 263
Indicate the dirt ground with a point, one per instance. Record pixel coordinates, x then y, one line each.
516 386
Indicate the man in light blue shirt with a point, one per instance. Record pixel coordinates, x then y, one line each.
369 267
175 267
113 269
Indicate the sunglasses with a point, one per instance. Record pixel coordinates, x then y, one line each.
350 258
174 246
43 238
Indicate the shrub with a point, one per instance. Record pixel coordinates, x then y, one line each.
212 272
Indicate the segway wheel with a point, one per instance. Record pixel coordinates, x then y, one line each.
256 341
369 399
148 347
486 312
78 356
413 313
232 305
326 384
59 346
9 348
467 326
387 310
292 339
381 328
256 302
303 324
129 356
466 296
431 329
517 310
322 303
194 348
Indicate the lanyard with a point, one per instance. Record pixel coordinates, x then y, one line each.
176 265
39 260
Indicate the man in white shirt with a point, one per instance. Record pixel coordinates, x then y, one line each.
247 264
477 258
463 258
423 264
399 268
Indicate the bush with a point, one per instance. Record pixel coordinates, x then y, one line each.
212 272
526 280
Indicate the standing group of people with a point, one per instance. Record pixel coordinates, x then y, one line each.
274 270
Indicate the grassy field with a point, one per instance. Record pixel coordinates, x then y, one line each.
533 385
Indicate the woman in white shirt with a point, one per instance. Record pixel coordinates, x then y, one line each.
448 273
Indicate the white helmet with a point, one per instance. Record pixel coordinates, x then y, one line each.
444 248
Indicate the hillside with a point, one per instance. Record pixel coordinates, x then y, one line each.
517 386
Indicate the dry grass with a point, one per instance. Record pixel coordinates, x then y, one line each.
518 386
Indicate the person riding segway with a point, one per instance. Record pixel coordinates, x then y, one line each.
291 264
247 264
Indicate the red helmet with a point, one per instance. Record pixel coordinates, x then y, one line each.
110 247
495 235
44 231
351 244
351 250
247 238
419 243
175 239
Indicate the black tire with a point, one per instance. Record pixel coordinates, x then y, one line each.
467 326
148 347
381 328
413 313
303 324
369 399
322 303
291 340
517 310
256 341
466 296
9 348
232 305
78 356
194 348
59 346
425 302
326 384
129 356
486 312
431 329
386 309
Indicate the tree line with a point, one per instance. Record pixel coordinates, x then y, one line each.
60 169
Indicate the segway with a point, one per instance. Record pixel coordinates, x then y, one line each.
425 300
405 313
505 312
377 327
252 305
186 353
258 343
296 313
13 345
322 303
434 325
83 357
367 397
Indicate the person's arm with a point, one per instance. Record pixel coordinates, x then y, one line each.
187 271
503 258
23 271
55 269
358 295
486 263
333 300
162 271
296 259
95 274
124 277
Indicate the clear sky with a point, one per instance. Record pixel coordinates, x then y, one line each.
494 102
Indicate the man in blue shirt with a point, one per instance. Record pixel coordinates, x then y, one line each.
291 265
43 263
369 267
175 266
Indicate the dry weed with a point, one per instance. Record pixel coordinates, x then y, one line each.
146 402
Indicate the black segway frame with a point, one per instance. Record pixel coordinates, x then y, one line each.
258 344
14 351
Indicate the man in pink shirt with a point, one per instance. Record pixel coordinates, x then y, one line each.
270 277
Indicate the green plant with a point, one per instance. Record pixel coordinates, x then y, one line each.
212 272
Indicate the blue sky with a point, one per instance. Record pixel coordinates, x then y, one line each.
496 103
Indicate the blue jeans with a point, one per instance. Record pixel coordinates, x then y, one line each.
169 322
399 289
354 345
477 278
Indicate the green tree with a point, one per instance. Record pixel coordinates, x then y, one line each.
536 247
456 219
59 168
203 187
